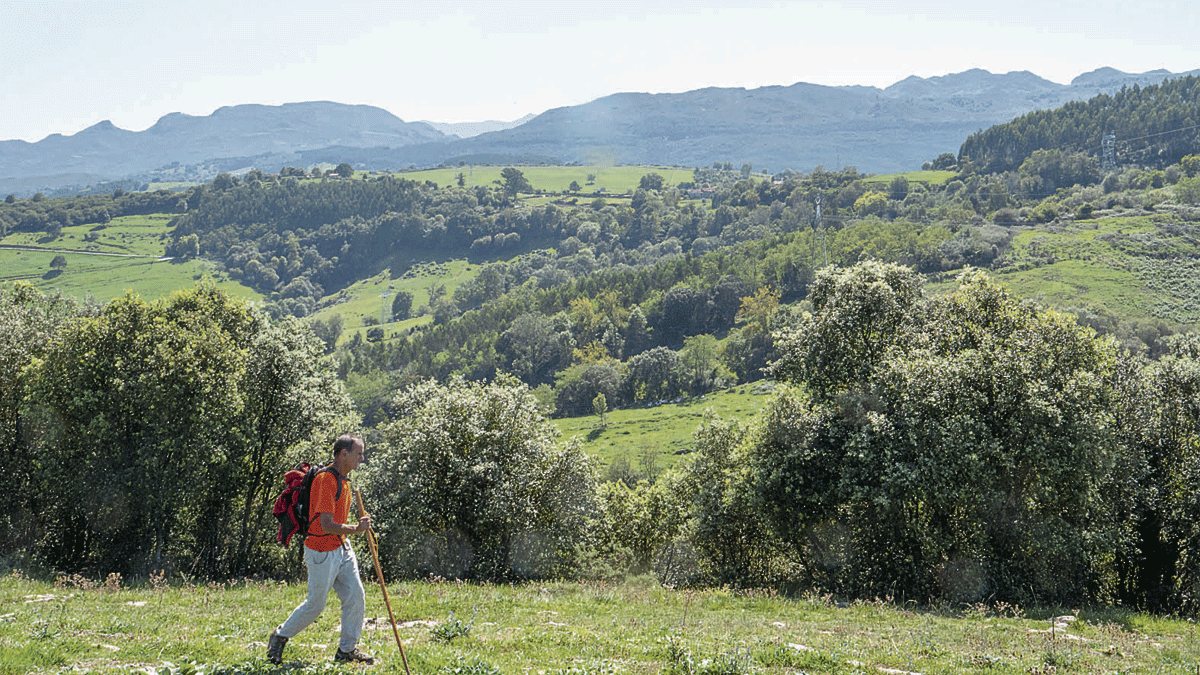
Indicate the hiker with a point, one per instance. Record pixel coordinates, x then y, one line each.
330 560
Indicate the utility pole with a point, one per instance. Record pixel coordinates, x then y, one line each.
384 314
824 232
1108 150
812 259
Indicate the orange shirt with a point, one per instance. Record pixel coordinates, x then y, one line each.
324 489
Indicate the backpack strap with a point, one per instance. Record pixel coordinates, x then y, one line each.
340 479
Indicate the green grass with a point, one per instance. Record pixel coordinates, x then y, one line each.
612 179
373 296
664 431
1135 267
105 262
932 177
633 627
169 185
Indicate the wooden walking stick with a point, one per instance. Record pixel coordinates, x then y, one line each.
362 511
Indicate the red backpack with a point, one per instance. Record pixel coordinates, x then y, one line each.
291 507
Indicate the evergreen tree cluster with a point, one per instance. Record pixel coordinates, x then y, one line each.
1154 126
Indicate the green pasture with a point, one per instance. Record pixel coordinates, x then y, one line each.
1132 266
664 431
636 626
105 262
170 185
930 177
373 296
611 179
130 235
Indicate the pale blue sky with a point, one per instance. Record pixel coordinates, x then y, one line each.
67 65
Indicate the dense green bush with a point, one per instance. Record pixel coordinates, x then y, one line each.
468 481
157 434
958 449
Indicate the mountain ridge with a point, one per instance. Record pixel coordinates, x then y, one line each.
796 126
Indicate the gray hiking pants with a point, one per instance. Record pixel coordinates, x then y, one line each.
335 570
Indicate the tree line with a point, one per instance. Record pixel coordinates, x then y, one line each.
42 214
960 447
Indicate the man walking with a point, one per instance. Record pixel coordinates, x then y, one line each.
330 560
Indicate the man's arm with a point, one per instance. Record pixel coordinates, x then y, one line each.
330 526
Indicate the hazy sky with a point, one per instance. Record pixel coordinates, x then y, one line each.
67 65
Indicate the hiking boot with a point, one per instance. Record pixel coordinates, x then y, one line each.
355 655
275 647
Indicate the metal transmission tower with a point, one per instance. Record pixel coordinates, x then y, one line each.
1108 150
824 232
818 226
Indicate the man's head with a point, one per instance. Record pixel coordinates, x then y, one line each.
348 452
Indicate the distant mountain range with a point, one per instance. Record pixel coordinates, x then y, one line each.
778 127
469 129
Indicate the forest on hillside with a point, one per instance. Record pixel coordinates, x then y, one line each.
1153 126
669 290
931 447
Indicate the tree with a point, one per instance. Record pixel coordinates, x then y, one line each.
188 246
1158 423
444 310
758 309
468 482
699 359
328 332
59 262
535 347
871 204
637 334
600 407
858 313
643 519
973 458
682 313
651 181
578 385
1187 191
344 170
290 398
514 182
654 375
1061 169
736 544
53 229
944 161
1190 165
402 305
224 181
29 323
198 401
574 187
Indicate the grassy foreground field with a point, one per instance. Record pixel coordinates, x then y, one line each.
578 628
